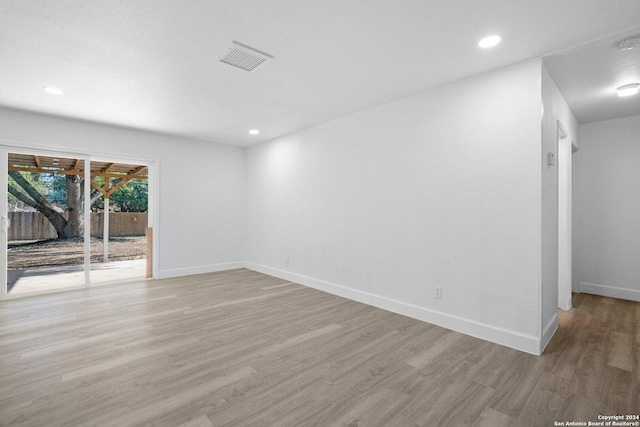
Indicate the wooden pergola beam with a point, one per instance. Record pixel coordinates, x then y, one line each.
136 171
119 185
107 191
131 175
42 170
113 175
98 187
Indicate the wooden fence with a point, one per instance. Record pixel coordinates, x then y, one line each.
35 226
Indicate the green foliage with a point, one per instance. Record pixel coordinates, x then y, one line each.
35 179
131 197
47 184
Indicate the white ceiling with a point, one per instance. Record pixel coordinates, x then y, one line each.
589 76
152 64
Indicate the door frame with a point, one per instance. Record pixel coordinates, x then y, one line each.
565 218
152 215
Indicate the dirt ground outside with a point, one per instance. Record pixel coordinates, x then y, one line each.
22 255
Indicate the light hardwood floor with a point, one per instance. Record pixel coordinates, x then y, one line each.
239 348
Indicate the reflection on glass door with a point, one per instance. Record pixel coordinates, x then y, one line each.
44 223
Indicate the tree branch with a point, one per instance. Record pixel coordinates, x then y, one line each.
24 199
39 202
42 204
95 195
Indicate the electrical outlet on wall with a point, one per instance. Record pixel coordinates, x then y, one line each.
286 260
438 291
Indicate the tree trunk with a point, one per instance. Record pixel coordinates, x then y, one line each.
66 228
38 202
75 219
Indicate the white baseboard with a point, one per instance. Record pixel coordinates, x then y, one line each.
610 291
548 331
527 343
201 269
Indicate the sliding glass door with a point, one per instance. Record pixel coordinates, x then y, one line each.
68 221
119 221
44 213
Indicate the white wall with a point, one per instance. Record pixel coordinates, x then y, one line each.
202 185
555 109
607 208
439 189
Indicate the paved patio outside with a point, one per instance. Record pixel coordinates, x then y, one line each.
51 278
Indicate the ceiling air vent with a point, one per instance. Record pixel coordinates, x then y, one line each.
243 57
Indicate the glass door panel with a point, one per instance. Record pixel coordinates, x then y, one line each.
119 219
44 222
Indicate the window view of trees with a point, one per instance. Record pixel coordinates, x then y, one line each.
60 198
132 197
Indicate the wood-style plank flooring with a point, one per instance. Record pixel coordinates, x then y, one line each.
240 348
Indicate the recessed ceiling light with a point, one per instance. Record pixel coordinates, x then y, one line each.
628 90
254 131
490 41
53 90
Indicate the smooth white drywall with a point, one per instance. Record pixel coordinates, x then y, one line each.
201 185
439 189
607 208
555 109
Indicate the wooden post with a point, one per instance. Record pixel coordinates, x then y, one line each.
149 253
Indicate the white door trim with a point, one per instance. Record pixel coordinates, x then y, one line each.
564 218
